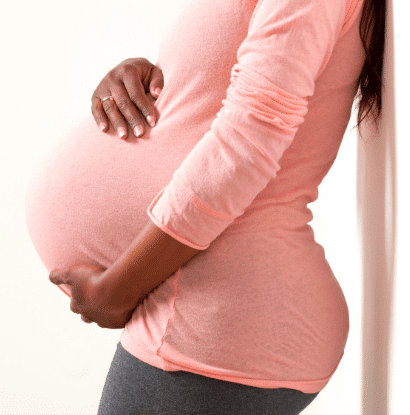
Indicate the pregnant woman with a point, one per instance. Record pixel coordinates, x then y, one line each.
193 236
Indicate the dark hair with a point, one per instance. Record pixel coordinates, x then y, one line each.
370 81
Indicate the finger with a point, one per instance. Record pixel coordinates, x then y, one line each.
99 113
73 307
157 81
114 115
130 112
86 320
139 102
58 277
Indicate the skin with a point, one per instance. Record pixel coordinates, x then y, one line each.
128 83
108 297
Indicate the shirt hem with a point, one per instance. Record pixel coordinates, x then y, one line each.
139 351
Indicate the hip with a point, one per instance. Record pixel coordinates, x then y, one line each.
133 386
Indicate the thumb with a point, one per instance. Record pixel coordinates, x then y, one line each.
59 277
157 81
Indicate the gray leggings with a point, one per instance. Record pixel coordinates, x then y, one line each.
133 387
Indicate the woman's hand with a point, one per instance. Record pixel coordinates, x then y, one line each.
95 301
128 84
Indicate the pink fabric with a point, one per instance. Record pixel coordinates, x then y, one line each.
257 98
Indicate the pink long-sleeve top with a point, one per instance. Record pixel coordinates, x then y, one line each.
256 101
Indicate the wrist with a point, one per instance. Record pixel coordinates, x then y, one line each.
120 293
151 258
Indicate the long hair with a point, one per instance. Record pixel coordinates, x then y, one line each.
370 81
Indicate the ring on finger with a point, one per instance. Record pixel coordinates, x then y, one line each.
106 98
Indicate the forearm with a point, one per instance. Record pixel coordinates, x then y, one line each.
152 257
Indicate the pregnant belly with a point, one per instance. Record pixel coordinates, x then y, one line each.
87 200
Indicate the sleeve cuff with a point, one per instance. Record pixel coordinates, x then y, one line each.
165 228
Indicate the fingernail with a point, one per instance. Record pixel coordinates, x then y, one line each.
122 132
158 91
151 120
102 126
138 131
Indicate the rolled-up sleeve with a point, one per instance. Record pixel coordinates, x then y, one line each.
288 44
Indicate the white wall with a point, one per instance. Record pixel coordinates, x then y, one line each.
54 55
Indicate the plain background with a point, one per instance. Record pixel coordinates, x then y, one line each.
54 54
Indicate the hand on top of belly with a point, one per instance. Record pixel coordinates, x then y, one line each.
121 96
